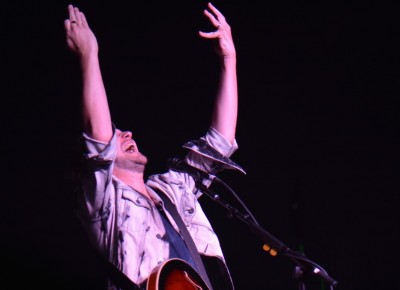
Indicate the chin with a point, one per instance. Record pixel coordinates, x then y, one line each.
143 159
131 161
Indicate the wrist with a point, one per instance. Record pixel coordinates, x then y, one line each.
88 55
228 60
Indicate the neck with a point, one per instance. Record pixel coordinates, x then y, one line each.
131 178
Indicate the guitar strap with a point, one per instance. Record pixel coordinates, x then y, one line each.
171 208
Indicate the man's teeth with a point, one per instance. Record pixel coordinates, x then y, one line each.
130 148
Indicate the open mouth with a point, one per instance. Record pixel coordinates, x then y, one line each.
129 147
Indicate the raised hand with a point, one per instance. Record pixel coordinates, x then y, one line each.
80 38
225 46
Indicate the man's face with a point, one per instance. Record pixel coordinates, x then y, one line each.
128 155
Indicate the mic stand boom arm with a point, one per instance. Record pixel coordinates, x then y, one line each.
271 243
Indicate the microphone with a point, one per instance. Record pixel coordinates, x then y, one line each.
180 165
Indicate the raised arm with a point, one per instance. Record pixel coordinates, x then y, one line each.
95 111
225 111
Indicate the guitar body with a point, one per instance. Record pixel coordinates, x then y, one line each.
175 274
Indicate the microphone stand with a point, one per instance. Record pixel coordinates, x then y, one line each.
303 265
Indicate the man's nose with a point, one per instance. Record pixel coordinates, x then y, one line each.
127 135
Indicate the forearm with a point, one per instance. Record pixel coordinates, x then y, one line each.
96 114
225 112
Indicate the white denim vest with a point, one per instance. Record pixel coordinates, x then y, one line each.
125 227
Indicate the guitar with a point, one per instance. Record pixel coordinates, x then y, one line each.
175 274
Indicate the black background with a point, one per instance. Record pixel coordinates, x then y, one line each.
317 131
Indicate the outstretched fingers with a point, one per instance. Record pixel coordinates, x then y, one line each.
225 46
212 18
215 21
218 16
